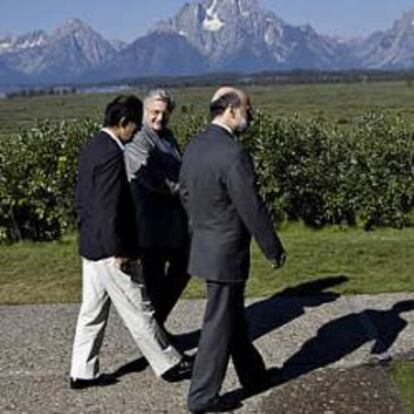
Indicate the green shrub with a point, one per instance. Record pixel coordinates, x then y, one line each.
381 175
307 169
311 170
37 179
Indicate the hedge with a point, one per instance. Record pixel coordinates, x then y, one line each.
307 169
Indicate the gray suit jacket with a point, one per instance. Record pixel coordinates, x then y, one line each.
219 192
153 165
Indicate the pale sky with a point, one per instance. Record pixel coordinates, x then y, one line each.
128 19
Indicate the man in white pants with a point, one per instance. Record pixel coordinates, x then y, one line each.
108 247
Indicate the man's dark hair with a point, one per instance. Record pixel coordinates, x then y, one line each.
128 107
219 106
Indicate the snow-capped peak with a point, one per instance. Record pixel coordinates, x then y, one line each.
26 41
210 11
212 21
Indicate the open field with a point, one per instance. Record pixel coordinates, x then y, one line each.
369 262
340 103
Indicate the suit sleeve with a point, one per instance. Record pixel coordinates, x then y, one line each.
109 179
142 166
253 211
183 192
183 189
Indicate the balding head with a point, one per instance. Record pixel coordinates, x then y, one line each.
231 107
224 90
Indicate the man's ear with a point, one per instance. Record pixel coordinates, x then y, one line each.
123 122
232 111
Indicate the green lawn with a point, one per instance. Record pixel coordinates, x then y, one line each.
403 376
371 262
339 103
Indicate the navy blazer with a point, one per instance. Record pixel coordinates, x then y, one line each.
219 193
104 202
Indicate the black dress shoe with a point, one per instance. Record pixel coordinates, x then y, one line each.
172 338
180 371
101 381
257 386
217 405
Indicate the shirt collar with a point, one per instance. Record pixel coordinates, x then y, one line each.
221 125
114 137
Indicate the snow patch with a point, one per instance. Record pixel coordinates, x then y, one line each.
212 22
16 44
29 44
210 10
244 12
268 38
279 57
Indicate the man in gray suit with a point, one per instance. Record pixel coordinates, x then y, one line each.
218 191
153 163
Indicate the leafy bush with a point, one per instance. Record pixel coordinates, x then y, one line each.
311 170
37 179
381 172
307 169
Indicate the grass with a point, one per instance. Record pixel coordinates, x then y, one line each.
369 262
403 375
372 262
40 272
339 103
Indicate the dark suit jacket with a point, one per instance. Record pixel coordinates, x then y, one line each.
161 219
219 193
104 202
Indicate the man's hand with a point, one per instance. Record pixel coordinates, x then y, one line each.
124 264
279 261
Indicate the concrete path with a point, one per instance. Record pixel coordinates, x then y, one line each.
314 344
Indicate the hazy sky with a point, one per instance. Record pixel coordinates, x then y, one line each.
127 19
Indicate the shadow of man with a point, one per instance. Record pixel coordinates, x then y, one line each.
273 312
342 336
283 307
263 316
335 340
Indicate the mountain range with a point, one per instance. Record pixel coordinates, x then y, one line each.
204 36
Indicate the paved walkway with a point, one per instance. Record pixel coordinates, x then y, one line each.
324 351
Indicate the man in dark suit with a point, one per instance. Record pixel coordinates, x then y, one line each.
218 190
153 163
108 247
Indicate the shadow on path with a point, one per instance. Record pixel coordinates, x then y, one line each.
283 307
137 365
263 316
340 337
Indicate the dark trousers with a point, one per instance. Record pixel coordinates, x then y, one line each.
165 274
224 335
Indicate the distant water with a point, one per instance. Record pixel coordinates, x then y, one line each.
79 89
102 89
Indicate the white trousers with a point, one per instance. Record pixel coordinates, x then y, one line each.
103 284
